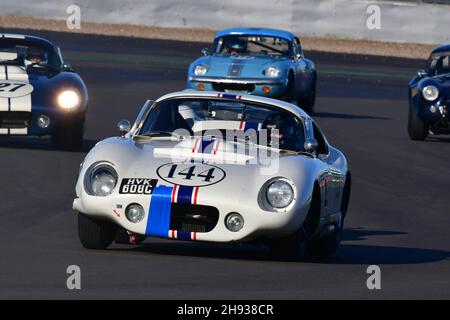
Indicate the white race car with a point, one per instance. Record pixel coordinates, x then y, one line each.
217 167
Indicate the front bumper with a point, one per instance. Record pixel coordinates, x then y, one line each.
257 222
13 123
265 87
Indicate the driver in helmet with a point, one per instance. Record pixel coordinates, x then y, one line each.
283 132
237 47
35 57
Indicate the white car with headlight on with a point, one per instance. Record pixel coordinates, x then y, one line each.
217 167
40 94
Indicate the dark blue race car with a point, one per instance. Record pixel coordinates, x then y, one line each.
263 62
39 93
429 97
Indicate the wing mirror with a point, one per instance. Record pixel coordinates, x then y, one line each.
310 145
205 51
68 68
421 73
124 127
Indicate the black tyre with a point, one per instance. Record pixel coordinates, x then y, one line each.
123 237
330 243
307 103
94 233
327 245
417 129
297 245
70 136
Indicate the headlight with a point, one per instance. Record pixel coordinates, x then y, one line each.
68 99
430 93
280 194
272 72
100 180
200 70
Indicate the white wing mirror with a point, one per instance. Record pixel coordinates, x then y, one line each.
124 127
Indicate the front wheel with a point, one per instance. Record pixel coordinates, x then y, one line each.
329 244
297 245
69 135
417 129
307 103
95 233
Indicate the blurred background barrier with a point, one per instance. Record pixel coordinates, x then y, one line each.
423 21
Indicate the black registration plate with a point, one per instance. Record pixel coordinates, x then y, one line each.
137 186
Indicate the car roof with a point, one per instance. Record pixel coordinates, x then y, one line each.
26 38
444 48
257 31
189 93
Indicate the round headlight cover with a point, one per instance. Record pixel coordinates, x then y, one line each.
280 194
68 99
430 92
200 70
102 180
272 72
135 213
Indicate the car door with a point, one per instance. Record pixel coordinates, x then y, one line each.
335 179
323 178
303 71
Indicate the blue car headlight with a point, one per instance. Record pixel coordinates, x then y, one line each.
272 72
200 70
430 93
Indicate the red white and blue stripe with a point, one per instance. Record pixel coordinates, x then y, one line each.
159 214
205 146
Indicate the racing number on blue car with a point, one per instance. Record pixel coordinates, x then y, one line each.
15 86
188 173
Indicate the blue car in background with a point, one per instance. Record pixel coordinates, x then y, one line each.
264 62
40 94
429 97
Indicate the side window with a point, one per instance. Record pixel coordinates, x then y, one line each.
298 46
295 50
321 143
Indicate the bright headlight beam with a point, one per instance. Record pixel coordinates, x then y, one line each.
68 99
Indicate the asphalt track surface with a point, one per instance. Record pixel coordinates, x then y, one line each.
399 215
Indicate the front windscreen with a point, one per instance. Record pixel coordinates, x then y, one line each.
29 54
252 45
196 116
439 64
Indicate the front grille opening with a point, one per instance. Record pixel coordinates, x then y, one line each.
224 87
14 120
193 218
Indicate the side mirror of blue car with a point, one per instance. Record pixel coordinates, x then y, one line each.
421 73
205 51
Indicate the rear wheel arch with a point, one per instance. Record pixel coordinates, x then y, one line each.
313 218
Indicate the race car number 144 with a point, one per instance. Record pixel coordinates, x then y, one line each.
137 186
